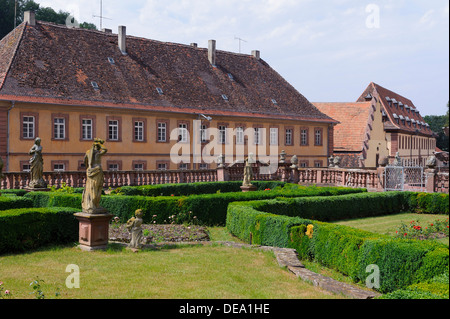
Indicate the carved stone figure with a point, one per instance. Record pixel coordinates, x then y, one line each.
337 161
294 161
431 161
134 226
248 173
331 161
282 157
397 160
37 166
94 178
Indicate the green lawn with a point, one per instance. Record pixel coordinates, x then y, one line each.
191 272
387 225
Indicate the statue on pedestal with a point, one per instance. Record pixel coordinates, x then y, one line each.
37 166
95 178
134 226
248 173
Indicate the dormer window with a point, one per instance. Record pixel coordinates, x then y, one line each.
160 91
230 76
111 60
274 101
95 85
224 97
389 101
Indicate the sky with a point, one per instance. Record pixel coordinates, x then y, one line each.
329 50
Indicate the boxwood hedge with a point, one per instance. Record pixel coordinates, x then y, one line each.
209 209
283 222
29 228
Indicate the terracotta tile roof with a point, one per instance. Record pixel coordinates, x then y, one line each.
55 63
403 109
350 133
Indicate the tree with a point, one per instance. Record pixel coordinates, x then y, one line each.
437 123
15 8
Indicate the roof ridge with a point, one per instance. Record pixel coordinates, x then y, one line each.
18 41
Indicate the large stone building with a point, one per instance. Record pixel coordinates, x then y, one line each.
377 126
145 98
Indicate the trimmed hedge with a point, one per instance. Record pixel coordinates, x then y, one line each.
348 250
209 209
11 202
185 189
29 228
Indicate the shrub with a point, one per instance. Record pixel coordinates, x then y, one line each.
29 228
348 250
11 202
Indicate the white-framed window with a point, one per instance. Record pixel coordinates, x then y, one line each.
318 136
28 125
162 166
183 166
113 130
59 167
113 167
138 166
203 130
239 135
139 131
288 137
273 136
258 137
86 129
26 167
304 137
222 134
59 128
183 132
203 166
162 131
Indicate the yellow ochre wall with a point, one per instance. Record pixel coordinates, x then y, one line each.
72 150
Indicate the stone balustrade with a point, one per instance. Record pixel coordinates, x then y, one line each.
372 179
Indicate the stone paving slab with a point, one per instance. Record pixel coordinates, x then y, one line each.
287 257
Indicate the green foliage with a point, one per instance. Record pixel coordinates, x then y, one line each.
348 250
435 288
11 202
29 228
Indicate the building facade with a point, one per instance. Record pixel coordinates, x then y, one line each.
157 105
379 125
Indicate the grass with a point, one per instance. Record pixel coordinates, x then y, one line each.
387 225
183 272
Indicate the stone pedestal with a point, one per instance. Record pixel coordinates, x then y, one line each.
250 188
93 231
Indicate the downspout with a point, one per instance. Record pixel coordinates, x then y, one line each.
13 104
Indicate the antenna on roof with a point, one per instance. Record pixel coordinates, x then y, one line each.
240 40
15 16
101 15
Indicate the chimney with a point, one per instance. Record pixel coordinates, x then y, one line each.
30 17
107 30
194 45
212 51
256 54
123 39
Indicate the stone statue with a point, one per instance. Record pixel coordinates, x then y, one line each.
282 157
37 166
330 161
431 161
337 161
294 161
94 178
248 173
134 226
397 160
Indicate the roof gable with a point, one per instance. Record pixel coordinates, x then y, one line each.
401 111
